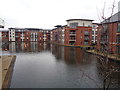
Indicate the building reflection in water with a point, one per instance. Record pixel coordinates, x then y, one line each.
69 55
16 47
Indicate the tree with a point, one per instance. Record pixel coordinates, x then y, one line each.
108 68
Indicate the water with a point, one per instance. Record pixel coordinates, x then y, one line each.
43 65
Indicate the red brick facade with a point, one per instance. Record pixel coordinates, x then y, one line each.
78 36
113 34
5 36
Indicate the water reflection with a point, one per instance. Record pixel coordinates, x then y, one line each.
17 47
56 66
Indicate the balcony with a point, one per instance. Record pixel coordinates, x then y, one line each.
118 39
16 36
72 33
86 39
118 49
87 33
72 39
118 30
71 42
103 43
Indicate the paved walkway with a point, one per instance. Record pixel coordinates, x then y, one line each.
115 57
6 62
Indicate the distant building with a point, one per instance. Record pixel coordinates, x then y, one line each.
78 32
1 23
46 35
1 28
57 34
28 34
5 35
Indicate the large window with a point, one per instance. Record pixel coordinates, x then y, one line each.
118 39
118 49
118 27
73 25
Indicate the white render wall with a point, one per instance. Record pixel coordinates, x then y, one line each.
80 22
94 35
12 35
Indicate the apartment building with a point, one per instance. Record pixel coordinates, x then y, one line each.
28 34
78 32
1 28
5 35
57 34
2 23
109 35
46 35
94 33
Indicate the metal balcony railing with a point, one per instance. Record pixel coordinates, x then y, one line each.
86 33
72 33
72 39
86 39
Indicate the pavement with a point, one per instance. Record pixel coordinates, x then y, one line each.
6 66
115 57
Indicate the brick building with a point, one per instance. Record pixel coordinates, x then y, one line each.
29 34
109 35
57 34
5 35
1 28
2 23
78 32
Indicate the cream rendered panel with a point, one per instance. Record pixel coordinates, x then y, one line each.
80 22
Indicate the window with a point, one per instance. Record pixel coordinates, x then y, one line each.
118 39
118 27
85 43
83 24
118 49
73 25
96 32
96 37
86 32
93 26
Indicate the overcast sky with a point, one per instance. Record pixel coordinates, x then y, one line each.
48 13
